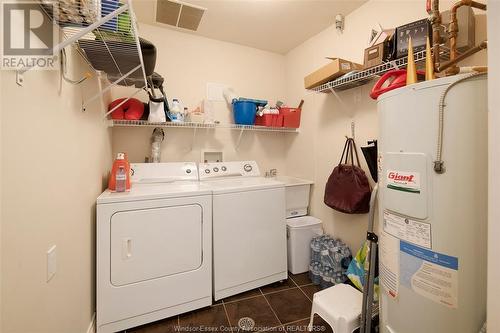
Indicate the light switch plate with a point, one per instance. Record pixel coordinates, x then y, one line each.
51 263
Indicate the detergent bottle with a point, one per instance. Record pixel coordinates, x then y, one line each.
121 179
127 170
120 164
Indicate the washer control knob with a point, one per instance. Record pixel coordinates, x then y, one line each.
223 168
216 169
247 167
207 171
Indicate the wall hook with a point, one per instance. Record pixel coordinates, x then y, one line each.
19 78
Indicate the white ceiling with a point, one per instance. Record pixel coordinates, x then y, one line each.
272 25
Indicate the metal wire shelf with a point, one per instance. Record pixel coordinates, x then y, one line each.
195 126
145 123
105 34
365 76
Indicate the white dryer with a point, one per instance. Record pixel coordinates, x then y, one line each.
154 247
249 227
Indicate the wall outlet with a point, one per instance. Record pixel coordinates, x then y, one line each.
51 263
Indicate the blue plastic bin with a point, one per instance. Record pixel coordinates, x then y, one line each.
245 109
244 112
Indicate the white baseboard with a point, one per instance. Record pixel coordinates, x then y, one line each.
91 328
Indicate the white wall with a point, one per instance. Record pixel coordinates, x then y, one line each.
188 62
494 169
326 120
1 220
54 159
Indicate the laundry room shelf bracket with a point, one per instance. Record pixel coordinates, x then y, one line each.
238 142
193 139
105 35
113 84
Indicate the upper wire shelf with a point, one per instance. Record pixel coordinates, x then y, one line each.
105 34
365 76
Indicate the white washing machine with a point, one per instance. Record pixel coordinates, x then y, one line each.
154 247
249 227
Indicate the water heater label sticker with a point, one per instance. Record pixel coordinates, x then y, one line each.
389 263
409 230
430 274
404 181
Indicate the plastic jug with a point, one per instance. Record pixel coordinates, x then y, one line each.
176 111
120 162
121 179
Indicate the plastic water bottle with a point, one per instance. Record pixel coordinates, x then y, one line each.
326 260
316 272
326 278
176 111
340 278
121 179
315 249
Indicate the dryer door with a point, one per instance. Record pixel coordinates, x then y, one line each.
153 243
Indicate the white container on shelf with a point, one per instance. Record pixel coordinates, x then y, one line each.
208 109
299 232
297 195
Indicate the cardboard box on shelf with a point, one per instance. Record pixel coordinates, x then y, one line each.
374 55
381 51
336 68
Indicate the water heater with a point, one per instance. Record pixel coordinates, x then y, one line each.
432 224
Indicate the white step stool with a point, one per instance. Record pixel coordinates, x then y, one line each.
339 306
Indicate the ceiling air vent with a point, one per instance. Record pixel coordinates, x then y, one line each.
179 14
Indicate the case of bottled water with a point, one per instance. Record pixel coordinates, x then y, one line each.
330 258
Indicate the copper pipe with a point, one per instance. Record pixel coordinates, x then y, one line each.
453 31
483 45
435 19
478 5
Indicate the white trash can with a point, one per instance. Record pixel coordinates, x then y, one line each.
299 232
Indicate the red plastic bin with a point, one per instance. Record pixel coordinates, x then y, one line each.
269 120
291 117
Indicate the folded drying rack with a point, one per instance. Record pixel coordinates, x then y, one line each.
105 34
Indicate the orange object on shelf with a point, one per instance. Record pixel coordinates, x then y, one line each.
291 117
269 120
120 161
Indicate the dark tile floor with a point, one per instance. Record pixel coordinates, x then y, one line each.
282 307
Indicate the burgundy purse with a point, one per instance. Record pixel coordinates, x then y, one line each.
348 189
